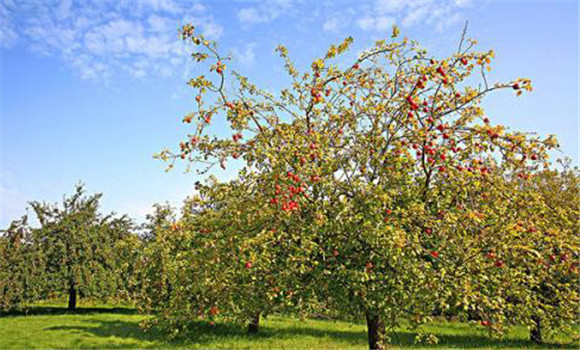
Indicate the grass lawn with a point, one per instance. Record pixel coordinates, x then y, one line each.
118 328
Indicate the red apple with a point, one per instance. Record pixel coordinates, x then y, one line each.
214 310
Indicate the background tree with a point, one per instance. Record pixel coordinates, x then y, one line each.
21 267
77 245
531 254
159 249
555 236
226 258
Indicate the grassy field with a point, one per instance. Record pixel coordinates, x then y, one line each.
50 327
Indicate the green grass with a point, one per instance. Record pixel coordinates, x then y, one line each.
49 327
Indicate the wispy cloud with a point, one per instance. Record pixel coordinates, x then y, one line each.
370 22
338 20
246 56
8 34
382 14
102 39
264 12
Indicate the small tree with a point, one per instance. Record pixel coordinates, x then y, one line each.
557 223
160 249
76 243
531 255
21 267
226 258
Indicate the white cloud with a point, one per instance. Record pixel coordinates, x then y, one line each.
245 56
251 15
331 24
415 15
139 73
212 30
160 24
8 35
376 23
463 3
382 14
391 6
99 40
264 12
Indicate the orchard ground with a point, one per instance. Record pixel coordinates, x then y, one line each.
51 326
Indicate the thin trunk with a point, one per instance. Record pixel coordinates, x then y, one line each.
376 331
72 298
254 325
536 330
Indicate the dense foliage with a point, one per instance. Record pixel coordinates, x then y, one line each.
378 189
399 192
75 250
21 267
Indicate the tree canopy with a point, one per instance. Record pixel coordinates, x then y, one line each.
398 192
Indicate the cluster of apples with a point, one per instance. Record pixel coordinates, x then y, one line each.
220 67
276 291
295 188
555 259
236 137
496 262
443 75
316 95
420 84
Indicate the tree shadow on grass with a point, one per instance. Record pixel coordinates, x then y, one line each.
55 310
204 335
472 341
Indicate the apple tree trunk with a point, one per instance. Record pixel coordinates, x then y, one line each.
536 330
72 298
376 331
254 325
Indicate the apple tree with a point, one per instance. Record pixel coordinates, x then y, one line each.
77 246
373 161
21 267
529 254
227 258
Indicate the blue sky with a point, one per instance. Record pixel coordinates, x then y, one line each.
91 90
